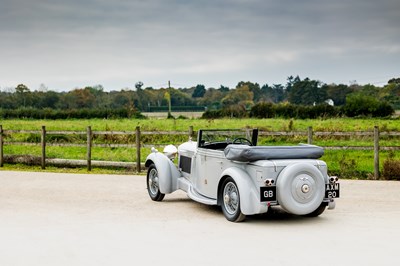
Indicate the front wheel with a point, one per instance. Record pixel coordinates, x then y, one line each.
231 201
153 185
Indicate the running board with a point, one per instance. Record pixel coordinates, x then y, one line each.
185 185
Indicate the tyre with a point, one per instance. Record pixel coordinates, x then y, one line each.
318 211
300 188
153 185
231 201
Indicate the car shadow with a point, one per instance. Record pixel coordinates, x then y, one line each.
274 214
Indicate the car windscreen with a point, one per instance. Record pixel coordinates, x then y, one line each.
207 137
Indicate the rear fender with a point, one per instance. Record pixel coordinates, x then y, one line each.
168 174
249 195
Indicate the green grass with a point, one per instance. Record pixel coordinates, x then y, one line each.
344 163
77 170
354 163
337 124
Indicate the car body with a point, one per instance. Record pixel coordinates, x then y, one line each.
227 168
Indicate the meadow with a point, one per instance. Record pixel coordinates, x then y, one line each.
343 162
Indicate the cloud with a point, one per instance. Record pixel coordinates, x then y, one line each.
65 44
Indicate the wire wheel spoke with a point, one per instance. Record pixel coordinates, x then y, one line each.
231 198
153 181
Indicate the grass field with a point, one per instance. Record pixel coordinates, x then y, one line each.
337 124
345 163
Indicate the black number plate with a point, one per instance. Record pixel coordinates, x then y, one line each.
267 194
332 190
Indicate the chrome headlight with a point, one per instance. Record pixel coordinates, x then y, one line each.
170 151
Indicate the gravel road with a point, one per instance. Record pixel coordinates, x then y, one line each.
75 219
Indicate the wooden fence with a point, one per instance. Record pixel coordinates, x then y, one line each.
138 145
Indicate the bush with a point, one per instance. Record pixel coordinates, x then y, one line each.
263 110
362 105
391 169
269 110
212 114
234 111
348 168
33 113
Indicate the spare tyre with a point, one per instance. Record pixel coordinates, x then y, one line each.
300 188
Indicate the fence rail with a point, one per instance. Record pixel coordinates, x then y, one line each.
138 145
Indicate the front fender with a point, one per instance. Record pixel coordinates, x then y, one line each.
168 174
249 194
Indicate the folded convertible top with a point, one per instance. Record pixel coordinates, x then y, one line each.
245 153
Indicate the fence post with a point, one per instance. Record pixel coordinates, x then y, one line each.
190 132
1 146
137 149
43 143
376 152
310 135
89 148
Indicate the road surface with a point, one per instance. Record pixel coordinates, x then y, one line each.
74 219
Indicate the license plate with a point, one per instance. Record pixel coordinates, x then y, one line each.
268 194
332 190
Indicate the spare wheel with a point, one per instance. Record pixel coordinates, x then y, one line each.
300 188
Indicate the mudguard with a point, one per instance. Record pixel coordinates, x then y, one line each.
168 174
249 195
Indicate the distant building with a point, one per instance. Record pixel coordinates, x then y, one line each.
330 102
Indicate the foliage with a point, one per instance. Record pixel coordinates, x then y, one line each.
362 105
269 110
296 91
233 111
199 91
47 113
307 92
344 162
391 168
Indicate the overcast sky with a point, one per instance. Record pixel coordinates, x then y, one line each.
67 44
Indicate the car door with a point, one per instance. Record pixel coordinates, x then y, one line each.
209 166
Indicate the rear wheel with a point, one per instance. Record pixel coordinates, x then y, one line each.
153 185
318 211
231 201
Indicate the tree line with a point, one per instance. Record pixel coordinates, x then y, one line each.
248 97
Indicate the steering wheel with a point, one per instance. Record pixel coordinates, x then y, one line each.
242 141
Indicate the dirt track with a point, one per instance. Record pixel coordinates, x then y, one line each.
69 219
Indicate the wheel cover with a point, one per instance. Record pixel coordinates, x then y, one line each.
153 182
300 188
231 198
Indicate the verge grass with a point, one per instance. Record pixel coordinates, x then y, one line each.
278 124
344 163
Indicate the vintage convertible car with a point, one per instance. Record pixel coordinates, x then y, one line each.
227 168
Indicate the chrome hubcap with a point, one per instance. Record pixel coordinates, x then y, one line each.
305 188
153 181
231 198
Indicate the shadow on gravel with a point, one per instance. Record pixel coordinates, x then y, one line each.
275 214
278 215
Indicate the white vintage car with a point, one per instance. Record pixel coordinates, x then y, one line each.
227 169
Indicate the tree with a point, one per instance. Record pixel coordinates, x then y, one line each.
139 85
199 91
338 93
274 94
241 96
23 95
212 98
358 104
394 80
307 92
223 88
253 87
